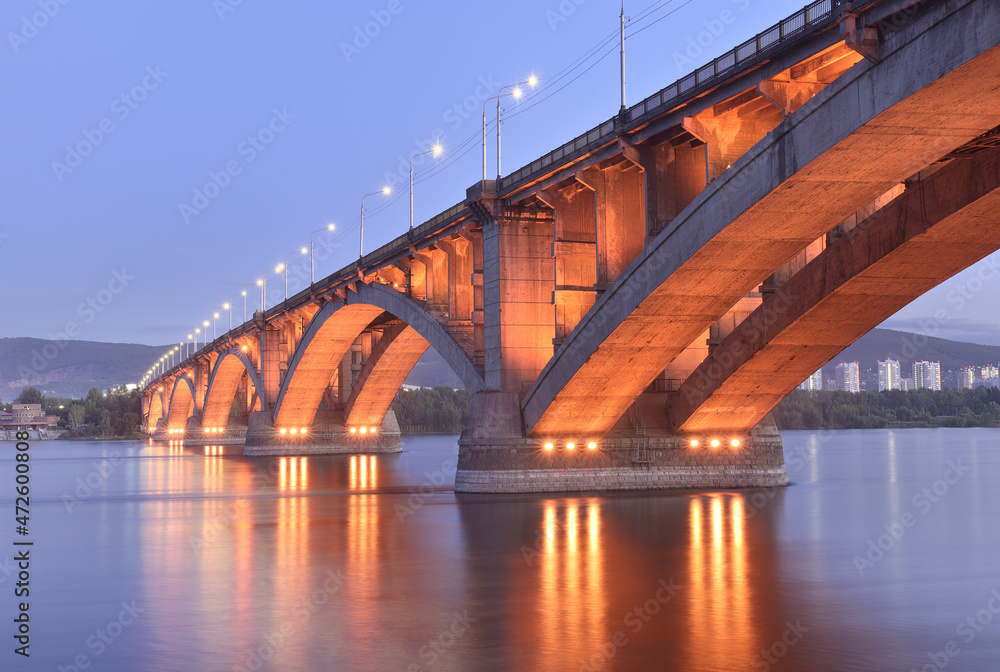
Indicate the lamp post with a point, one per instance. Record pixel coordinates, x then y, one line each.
284 267
531 81
312 252
436 151
262 283
189 350
196 332
244 306
361 243
205 324
228 306
215 334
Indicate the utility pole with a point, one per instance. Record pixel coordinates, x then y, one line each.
623 56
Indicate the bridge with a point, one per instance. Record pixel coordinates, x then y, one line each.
628 308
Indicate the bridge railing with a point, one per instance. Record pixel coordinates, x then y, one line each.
814 16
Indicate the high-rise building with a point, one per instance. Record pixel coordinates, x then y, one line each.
888 375
848 378
813 382
907 384
989 371
967 377
927 375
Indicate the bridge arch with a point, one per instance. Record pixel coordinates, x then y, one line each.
934 229
391 360
872 128
332 331
182 403
154 410
223 384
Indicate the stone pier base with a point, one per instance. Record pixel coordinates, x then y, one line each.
494 458
323 439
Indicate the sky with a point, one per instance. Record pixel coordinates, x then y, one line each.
158 158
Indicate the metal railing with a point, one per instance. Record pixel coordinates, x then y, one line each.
812 17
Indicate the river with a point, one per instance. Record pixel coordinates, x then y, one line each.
883 554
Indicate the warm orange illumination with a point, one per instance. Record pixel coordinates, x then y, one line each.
302 431
695 443
364 430
714 443
549 446
244 348
592 446
371 430
570 446
294 431
283 430
354 430
735 443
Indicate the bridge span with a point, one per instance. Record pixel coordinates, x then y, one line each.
628 308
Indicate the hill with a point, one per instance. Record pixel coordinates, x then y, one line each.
70 368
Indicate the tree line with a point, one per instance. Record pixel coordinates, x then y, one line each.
112 414
436 410
979 407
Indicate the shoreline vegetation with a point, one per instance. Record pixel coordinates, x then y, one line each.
116 414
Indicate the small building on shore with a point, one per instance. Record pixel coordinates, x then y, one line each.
27 416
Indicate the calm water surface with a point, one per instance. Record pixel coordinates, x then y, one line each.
374 563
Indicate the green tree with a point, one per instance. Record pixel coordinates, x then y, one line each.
30 395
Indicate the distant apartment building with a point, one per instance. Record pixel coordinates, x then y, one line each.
848 377
967 378
927 375
813 382
989 371
888 375
27 416
906 384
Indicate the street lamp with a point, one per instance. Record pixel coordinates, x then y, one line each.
312 252
215 334
196 332
436 151
228 306
284 267
244 306
189 350
532 82
205 324
361 244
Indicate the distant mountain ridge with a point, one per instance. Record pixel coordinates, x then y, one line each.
71 368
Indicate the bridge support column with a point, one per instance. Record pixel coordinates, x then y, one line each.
327 436
494 457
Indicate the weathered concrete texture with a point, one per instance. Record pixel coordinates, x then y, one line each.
326 439
652 463
494 457
223 384
936 228
872 128
391 360
195 435
182 403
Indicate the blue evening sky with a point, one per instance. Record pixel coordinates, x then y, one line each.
114 244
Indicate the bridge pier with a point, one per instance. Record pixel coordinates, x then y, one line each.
326 436
495 457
